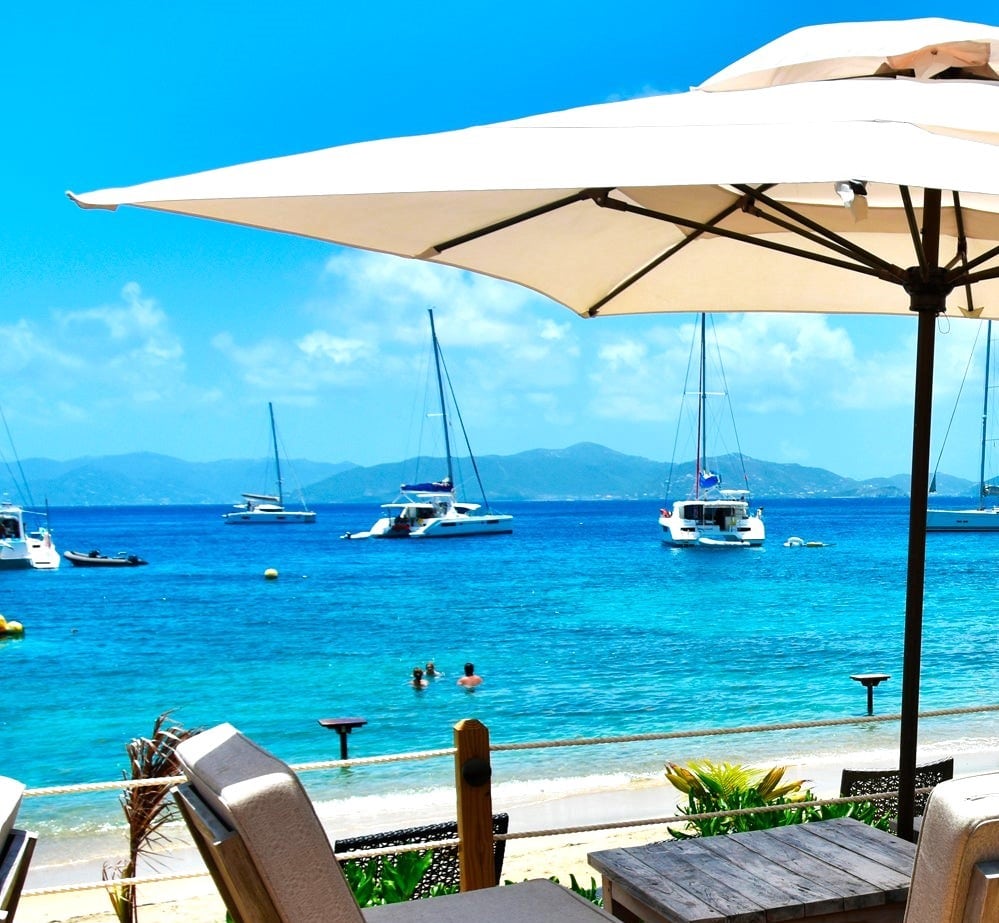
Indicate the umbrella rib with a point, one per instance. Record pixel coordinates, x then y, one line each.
594 309
889 276
917 238
981 258
962 250
822 235
580 196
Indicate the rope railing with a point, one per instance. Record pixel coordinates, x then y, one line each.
125 784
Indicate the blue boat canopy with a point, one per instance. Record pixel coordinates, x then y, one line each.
444 485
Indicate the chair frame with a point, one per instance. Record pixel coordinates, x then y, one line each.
227 859
14 860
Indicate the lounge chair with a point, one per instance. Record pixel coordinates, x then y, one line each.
876 781
272 861
16 847
444 869
955 878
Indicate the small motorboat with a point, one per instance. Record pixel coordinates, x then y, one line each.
96 559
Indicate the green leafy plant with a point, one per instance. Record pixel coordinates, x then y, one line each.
590 892
390 879
713 787
147 809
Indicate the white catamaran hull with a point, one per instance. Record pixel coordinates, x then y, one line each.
446 527
267 517
712 523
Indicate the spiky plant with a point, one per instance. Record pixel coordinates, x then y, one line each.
147 808
712 787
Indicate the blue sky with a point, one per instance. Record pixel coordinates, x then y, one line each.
137 331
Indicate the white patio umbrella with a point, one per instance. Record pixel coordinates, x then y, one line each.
851 168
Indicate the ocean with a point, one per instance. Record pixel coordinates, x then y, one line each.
582 623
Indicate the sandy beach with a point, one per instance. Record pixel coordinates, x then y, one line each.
195 900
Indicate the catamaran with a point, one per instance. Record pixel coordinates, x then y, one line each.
984 518
431 509
711 516
268 509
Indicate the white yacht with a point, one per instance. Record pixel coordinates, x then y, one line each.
711 516
22 548
432 509
984 518
268 509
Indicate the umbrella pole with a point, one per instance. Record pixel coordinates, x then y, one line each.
928 299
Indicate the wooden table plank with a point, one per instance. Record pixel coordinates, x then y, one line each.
630 872
850 855
705 876
795 892
839 869
891 851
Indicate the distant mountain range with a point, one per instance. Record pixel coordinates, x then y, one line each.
582 472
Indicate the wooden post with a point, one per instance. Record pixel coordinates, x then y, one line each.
472 774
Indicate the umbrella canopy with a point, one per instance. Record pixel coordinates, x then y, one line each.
852 168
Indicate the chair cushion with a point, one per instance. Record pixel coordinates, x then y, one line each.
11 792
260 798
960 828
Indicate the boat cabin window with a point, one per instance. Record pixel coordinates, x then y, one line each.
10 528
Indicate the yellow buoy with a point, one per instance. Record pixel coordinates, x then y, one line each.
271 573
10 627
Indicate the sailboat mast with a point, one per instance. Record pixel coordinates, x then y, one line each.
277 458
985 417
440 391
701 435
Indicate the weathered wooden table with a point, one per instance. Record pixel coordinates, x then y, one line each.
841 871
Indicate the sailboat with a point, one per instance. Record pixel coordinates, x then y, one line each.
711 516
268 509
432 509
984 518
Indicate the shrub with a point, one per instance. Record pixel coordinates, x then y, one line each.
712 787
390 879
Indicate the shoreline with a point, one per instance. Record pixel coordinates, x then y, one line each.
551 805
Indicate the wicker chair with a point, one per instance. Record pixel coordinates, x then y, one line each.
878 781
444 869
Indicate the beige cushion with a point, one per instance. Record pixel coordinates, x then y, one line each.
960 828
258 796
11 792
537 901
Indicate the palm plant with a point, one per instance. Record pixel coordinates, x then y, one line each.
147 808
713 787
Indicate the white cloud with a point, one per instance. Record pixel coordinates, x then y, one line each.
320 345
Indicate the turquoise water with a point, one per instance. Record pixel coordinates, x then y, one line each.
581 622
